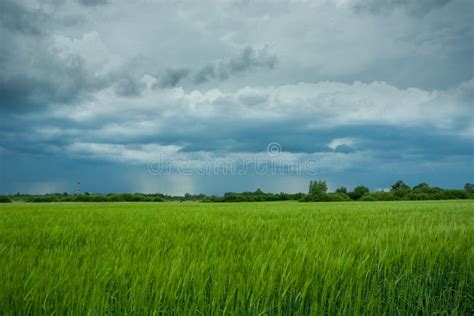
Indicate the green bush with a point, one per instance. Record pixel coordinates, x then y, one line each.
316 197
5 199
378 196
358 192
368 197
455 194
44 199
418 196
326 197
338 197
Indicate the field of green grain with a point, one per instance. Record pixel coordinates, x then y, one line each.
248 258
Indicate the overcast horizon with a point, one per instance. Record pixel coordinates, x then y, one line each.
97 91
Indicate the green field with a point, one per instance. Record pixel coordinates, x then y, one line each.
247 258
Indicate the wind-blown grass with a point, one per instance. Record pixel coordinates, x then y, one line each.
246 258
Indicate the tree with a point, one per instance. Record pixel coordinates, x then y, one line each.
341 194
469 187
421 187
400 185
400 189
359 192
317 191
318 187
341 190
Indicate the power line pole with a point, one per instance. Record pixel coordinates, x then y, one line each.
78 188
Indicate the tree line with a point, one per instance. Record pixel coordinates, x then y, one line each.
399 191
317 192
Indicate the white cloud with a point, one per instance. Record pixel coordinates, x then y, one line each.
91 48
340 142
320 105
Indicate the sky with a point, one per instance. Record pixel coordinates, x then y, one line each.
233 95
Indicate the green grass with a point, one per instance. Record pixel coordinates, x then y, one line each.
248 258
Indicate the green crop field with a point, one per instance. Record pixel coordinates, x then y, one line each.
247 258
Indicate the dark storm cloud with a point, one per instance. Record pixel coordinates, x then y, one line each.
31 74
129 87
171 77
205 74
389 145
16 18
373 90
385 141
248 59
34 73
23 88
28 82
441 42
418 7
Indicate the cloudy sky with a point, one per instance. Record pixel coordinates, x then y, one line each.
138 96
